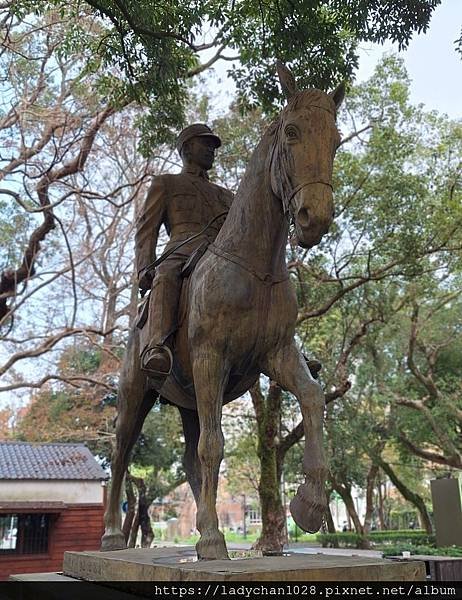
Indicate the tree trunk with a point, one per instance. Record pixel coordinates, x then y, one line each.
329 519
131 507
147 534
273 535
381 510
345 494
134 531
408 495
371 479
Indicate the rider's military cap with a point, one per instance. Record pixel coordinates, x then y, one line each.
196 130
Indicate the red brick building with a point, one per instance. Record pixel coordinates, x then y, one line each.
230 511
51 500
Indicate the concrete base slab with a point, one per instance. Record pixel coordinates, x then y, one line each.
180 564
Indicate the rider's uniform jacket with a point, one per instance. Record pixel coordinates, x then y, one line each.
185 203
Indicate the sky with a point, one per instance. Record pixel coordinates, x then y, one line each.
434 66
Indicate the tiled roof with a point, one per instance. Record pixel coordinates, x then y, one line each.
21 460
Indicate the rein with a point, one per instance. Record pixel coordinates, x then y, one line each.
303 185
151 267
266 278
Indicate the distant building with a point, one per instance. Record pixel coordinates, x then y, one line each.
51 500
230 511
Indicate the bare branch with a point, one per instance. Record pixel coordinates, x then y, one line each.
47 345
74 381
448 461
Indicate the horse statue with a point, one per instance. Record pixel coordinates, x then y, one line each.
238 311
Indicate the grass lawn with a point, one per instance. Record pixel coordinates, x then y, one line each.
234 537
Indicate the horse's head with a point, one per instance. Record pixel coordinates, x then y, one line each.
302 158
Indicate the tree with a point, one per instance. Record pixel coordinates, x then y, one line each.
157 49
160 46
83 413
89 182
70 190
423 384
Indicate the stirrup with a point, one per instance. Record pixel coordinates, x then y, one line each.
151 372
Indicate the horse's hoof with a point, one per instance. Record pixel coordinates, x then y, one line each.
113 541
307 513
212 548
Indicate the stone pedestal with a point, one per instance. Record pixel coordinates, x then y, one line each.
447 509
179 564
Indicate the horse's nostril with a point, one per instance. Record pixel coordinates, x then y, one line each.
303 217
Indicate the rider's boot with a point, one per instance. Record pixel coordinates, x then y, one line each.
156 357
157 361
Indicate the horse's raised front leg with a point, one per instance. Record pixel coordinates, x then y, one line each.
133 404
210 376
287 367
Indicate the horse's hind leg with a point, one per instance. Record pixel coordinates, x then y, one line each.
191 462
288 367
210 377
133 404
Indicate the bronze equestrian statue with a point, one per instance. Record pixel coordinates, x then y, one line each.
237 316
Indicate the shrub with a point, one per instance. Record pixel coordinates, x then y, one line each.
346 539
398 549
378 539
411 536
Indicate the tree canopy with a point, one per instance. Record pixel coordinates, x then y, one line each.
158 47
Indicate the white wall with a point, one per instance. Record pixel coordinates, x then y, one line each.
70 492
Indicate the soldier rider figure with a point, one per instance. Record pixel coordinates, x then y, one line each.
185 203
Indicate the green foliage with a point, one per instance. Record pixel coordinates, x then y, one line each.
81 360
68 415
150 50
14 227
380 539
157 455
60 403
398 549
410 536
345 539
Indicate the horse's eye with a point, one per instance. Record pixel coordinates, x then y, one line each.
291 133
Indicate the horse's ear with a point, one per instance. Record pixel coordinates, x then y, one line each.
338 95
287 80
